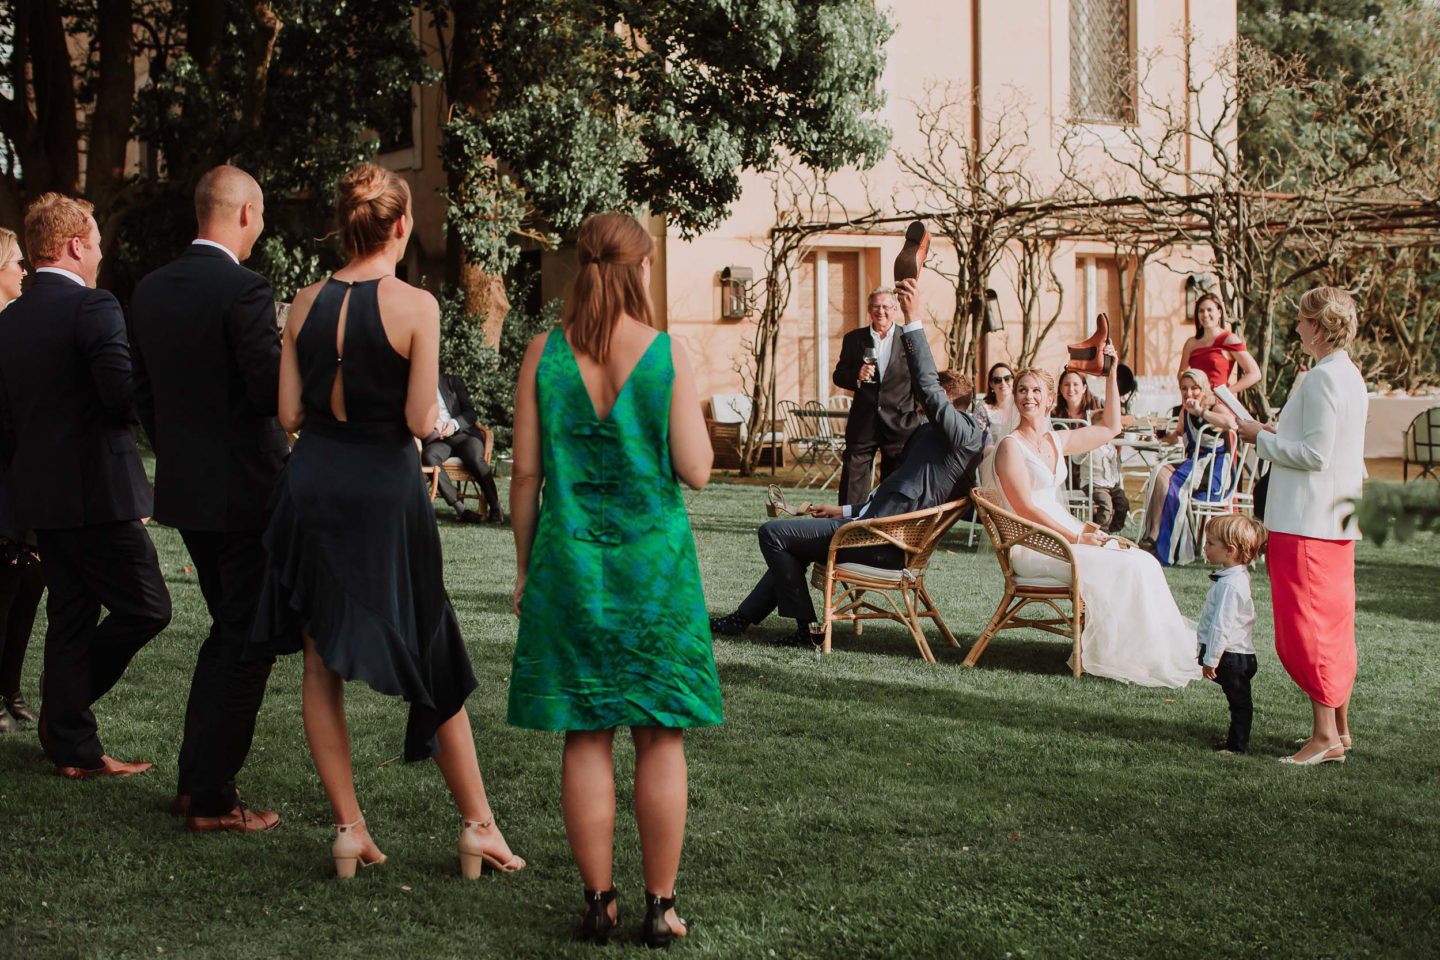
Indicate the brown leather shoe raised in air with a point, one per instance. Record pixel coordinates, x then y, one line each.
912 255
1086 357
109 767
241 820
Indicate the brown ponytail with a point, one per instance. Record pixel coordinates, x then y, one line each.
610 282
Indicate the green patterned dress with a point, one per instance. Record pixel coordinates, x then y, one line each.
613 626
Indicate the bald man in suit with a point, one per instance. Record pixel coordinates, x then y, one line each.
207 371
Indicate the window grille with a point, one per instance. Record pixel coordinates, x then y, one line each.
1101 61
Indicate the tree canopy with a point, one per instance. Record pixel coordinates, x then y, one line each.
556 109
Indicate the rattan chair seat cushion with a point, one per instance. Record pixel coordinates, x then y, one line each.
1042 583
874 573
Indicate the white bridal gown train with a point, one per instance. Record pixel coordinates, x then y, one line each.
1133 630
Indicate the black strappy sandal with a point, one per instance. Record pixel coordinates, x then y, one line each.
656 932
596 925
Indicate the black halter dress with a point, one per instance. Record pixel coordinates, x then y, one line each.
353 551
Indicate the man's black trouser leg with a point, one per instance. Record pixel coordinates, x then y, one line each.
228 687
471 452
111 565
1233 673
890 461
21 585
433 454
857 462
789 546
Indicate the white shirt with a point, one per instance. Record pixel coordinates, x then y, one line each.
884 346
1228 616
64 273
443 417
218 246
1317 453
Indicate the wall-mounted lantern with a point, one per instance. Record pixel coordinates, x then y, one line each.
993 322
735 293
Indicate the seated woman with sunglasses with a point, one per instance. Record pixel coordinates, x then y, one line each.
1133 631
995 411
996 414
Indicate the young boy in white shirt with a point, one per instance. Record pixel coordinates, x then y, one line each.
1226 652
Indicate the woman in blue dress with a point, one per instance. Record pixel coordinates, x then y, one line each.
613 628
1204 475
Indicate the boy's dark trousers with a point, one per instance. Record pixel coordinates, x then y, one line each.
1233 673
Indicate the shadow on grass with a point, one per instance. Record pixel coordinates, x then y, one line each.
1011 651
977 706
1411 591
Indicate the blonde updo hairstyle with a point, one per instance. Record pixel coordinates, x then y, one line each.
1046 381
370 200
1333 311
609 284
8 242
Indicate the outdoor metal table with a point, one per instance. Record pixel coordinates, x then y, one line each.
825 434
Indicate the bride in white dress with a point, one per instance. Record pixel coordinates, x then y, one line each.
1133 630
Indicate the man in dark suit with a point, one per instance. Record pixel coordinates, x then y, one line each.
207 372
456 435
883 414
938 465
66 410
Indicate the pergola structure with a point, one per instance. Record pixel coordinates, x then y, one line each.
1261 243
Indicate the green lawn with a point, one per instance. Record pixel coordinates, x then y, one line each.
864 804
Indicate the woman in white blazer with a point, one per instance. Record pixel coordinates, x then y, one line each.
1317 467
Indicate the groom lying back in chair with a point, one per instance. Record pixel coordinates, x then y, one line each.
938 465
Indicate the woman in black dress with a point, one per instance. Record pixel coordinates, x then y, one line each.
21 583
354 571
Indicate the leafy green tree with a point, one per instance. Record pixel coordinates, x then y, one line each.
563 108
290 90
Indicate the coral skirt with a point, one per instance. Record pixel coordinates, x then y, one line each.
1312 589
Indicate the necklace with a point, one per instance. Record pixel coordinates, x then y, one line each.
1034 444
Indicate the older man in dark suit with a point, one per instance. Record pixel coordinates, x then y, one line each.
66 410
883 414
207 373
938 465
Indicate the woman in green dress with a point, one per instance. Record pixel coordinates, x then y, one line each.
613 627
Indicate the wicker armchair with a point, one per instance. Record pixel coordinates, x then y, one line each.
845 585
1008 531
466 485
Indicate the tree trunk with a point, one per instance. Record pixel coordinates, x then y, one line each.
50 145
267 24
110 122
483 293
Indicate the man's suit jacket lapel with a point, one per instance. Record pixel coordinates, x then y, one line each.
452 401
897 364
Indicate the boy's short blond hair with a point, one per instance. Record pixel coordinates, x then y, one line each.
1246 534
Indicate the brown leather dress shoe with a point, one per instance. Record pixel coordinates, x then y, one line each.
912 255
242 820
1086 357
109 767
